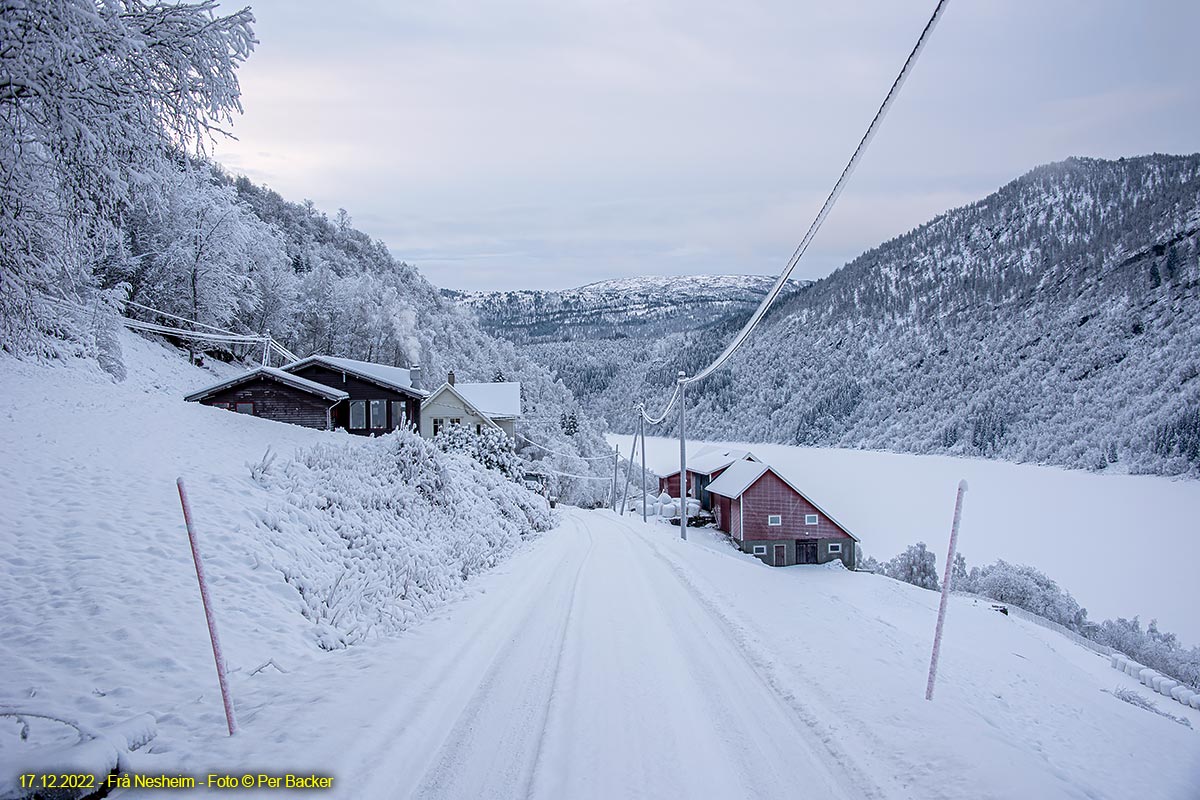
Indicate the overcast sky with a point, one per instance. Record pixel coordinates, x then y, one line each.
551 144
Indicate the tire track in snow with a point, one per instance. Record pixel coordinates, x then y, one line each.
505 720
409 728
817 737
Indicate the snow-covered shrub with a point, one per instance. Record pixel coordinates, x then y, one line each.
916 565
1030 589
491 447
374 533
1154 648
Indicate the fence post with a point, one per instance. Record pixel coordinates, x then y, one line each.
946 580
218 657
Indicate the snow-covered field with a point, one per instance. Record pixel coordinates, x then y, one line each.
1123 545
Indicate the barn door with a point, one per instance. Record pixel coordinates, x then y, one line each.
806 552
781 555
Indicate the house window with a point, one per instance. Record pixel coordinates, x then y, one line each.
810 519
835 548
438 424
456 421
478 428
358 415
379 413
774 519
760 549
245 408
399 418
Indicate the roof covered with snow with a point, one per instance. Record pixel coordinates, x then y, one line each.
738 478
303 384
496 400
708 460
392 377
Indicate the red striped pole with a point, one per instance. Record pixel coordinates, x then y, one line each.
937 636
208 611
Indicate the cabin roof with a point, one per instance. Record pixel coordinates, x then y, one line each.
397 378
296 382
491 400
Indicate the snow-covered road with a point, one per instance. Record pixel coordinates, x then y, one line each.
597 674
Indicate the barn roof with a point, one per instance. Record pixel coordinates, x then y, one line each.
397 378
734 481
738 478
303 384
711 459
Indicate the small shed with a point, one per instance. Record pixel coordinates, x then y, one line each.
766 515
475 405
274 394
703 468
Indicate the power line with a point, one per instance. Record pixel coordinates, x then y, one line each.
781 281
564 455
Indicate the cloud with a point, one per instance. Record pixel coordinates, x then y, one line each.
557 143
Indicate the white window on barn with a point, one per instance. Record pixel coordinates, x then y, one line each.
379 413
399 417
245 408
835 548
774 519
810 519
760 549
358 415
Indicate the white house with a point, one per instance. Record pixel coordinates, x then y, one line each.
476 405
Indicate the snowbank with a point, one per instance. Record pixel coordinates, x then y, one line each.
373 534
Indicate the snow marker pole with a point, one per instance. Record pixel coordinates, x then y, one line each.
946 580
642 425
218 657
682 465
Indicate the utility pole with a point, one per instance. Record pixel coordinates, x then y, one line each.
616 458
642 427
628 475
682 464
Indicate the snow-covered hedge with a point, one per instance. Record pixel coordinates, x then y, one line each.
375 533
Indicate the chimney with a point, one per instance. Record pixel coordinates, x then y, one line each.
414 376
450 378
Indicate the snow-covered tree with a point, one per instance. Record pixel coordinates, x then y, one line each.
916 565
491 447
96 100
1030 589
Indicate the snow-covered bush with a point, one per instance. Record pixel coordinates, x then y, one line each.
1028 588
375 533
916 565
491 447
1156 649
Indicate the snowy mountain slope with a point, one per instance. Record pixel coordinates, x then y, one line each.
610 659
1074 526
1055 321
342 539
626 307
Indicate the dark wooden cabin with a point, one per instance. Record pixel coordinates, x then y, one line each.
277 395
767 516
380 398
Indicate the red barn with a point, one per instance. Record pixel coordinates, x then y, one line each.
767 516
703 468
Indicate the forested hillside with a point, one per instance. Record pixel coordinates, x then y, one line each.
1054 321
106 111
